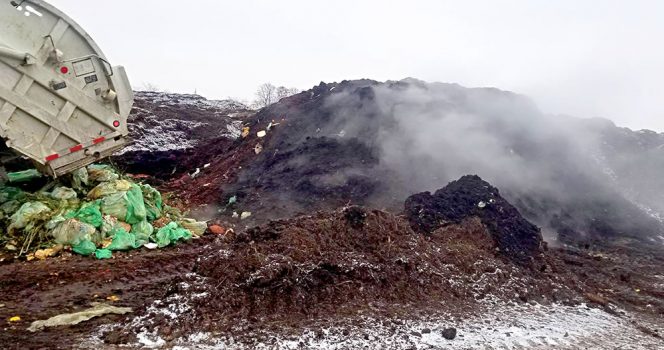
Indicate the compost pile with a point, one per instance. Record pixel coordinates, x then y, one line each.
342 263
95 211
165 127
374 144
515 236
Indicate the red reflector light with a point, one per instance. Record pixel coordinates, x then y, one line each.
52 157
98 140
64 70
116 123
76 148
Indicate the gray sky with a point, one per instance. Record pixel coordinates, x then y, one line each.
583 58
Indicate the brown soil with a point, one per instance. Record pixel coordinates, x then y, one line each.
323 267
42 289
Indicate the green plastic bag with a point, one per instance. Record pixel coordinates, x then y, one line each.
54 222
63 193
79 178
10 207
23 176
107 188
72 232
8 193
108 223
101 173
84 248
27 213
171 233
143 232
103 254
197 228
135 206
88 213
122 240
153 202
126 206
115 205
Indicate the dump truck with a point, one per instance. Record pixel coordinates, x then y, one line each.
62 104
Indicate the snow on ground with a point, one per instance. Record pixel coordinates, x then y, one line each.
500 327
166 122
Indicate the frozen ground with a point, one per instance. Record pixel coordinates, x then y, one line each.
500 326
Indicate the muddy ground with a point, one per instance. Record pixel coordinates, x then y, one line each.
330 270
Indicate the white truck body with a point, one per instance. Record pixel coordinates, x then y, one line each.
61 103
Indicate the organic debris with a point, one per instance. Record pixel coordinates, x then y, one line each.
99 213
470 196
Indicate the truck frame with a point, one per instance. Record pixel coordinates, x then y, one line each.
61 103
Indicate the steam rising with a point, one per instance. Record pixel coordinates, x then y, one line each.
556 169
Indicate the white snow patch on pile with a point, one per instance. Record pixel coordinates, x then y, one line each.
501 327
165 137
169 99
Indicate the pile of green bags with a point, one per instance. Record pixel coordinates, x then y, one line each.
95 212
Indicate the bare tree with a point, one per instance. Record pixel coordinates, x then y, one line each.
283 91
265 95
147 86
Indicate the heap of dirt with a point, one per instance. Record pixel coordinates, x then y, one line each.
166 127
368 143
469 196
348 262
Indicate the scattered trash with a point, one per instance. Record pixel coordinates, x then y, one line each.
42 254
235 215
481 204
197 228
151 246
85 248
113 298
245 215
171 233
205 166
78 317
217 230
272 124
15 319
258 149
195 173
232 200
103 254
245 131
261 133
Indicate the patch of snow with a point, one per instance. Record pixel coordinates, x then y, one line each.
169 99
501 326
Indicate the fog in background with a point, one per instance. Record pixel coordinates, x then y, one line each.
563 173
582 58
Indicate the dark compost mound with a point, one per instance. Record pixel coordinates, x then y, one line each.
337 262
469 196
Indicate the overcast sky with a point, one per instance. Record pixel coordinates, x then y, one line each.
582 58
